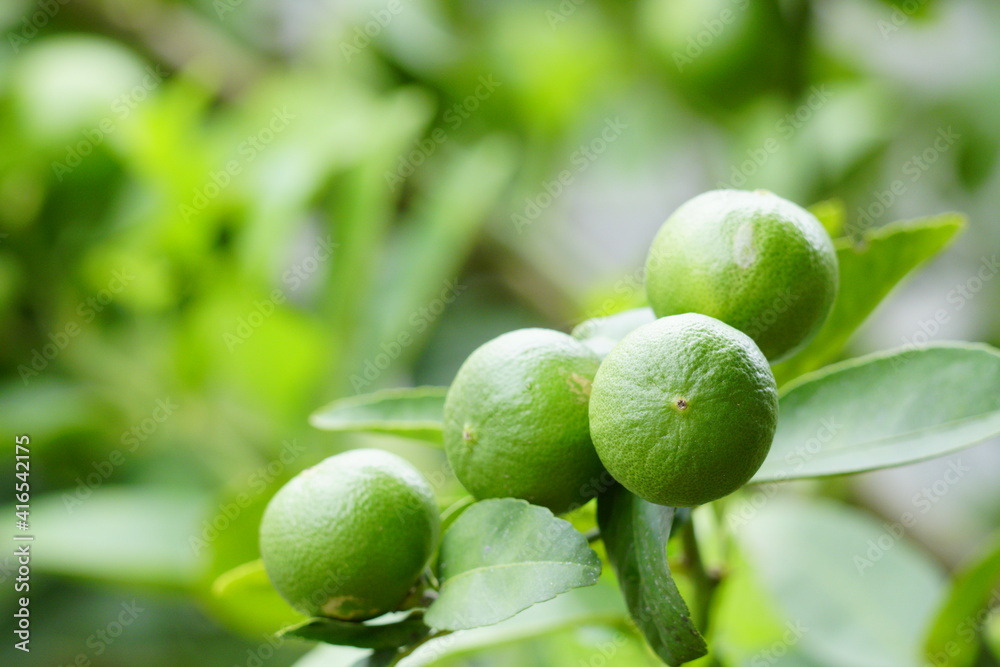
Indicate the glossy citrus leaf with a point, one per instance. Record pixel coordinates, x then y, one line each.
503 555
885 410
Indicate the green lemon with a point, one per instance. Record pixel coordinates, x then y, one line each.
349 537
683 410
751 259
515 420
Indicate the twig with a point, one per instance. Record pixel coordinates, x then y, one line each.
705 582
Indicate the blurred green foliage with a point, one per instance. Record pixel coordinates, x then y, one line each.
218 215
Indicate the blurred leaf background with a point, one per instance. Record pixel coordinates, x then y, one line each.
218 215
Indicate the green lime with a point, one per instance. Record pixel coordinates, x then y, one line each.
515 420
349 537
751 259
683 410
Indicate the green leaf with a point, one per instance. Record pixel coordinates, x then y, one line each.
951 639
831 214
868 272
451 513
746 625
854 590
919 11
329 655
416 413
382 658
635 535
886 409
595 605
602 333
598 605
118 534
503 555
993 635
245 597
377 636
47 409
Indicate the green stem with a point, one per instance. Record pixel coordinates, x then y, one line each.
705 582
593 535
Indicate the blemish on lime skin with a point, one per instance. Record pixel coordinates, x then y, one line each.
580 386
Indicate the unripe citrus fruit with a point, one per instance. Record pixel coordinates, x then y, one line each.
751 259
349 537
515 420
683 410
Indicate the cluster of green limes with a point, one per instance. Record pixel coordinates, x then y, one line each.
681 411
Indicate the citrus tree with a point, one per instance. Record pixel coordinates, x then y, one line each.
684 420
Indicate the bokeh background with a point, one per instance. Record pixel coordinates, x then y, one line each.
218 215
